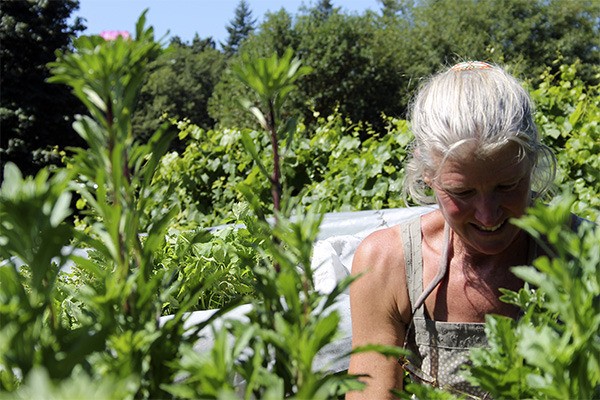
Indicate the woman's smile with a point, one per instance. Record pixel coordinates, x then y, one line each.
478 196
490 229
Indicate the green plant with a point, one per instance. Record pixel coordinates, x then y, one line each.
568 114
223 259
271 80
33 231
349 174
202 181
553 350
272 351
330 166
101 322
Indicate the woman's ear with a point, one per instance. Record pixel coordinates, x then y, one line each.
427 179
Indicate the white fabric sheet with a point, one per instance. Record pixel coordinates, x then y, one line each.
339 236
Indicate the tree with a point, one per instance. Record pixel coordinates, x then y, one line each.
528 35
239 29
393 8
35 116
199 45
347 76
179 85
276 34
322 10
365 65
351 72
390 8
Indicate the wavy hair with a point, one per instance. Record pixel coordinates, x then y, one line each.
477 103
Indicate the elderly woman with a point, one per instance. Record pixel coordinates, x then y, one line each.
428 284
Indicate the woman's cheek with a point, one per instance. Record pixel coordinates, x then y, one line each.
518 202
452 206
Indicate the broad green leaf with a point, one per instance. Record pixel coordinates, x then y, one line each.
251 148
61 209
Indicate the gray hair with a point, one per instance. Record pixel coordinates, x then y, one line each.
473 102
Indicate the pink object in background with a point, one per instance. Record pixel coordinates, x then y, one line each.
113 35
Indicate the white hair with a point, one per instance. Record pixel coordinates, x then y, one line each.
476 103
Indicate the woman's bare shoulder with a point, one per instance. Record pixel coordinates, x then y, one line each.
380 249
379 260
384 248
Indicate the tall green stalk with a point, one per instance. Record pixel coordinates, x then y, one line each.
271 80
274 346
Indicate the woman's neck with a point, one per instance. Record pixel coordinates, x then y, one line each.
515 254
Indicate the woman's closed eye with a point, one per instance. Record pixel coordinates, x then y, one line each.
460 193
509 186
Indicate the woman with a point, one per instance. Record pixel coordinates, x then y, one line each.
428 284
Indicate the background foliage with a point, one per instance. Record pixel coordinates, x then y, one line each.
71 319
179 85
568 115
35 117
142 216
372 63
332 165
364 65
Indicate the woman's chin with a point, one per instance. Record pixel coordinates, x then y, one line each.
492 240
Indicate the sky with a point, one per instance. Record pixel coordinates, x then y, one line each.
185 18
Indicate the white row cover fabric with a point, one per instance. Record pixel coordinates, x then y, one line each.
340 234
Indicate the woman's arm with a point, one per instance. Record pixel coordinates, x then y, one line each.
380 307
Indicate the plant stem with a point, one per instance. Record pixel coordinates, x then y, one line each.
276 178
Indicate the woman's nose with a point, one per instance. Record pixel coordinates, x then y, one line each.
487 210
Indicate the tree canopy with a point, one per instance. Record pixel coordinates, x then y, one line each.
364 65
35 116
179 85
371 63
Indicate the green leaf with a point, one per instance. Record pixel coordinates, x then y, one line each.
388 351
260 117
12 181
159 144
61 209
325 330
251 148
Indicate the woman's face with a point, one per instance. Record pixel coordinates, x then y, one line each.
477 197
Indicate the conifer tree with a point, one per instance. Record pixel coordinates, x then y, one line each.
394 8
239 29
323 9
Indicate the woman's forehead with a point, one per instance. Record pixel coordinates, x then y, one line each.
468 150
504 164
